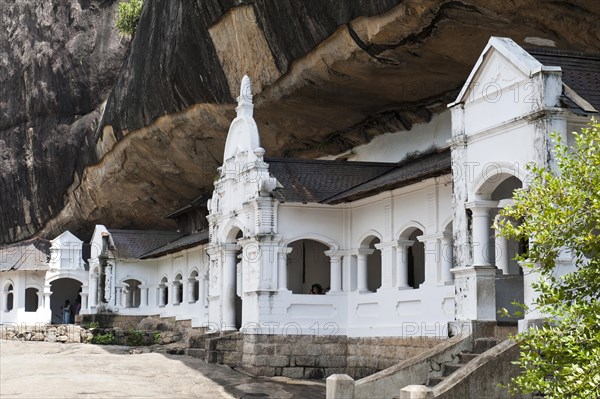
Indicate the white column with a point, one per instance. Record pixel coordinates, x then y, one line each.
361 269
229 286
432 257
175 294
161 295
40 300
481 228
348 276
47 294
125 296
447 258
190 289
144 295
84 300
282 268
94 291
388 264
335 279
402 263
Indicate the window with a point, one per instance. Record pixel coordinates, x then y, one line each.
307 266
133 293
9 298
31 299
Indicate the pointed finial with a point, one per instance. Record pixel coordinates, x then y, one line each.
245 97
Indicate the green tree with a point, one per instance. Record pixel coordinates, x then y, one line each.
128 16
560 214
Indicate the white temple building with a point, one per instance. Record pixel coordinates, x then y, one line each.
401 245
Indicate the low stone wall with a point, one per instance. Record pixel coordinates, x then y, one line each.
317 357
45 333
110 320
225 349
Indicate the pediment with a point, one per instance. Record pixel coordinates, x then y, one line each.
66 239
502 64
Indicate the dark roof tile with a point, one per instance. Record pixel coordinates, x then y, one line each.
333 182
580 71
185 242
313 181
405 173
132 244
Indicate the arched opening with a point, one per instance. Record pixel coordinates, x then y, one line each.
9 298
416 260
63 290
133 293
163 292
194 287
308 266
502 253
178 287
373 264
504 257
31 299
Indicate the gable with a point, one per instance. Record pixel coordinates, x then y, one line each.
501 64
66 240
496 74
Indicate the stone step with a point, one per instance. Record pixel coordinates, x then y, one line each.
483 344
451 368
197 342
467 357
433 381
176 351
195 352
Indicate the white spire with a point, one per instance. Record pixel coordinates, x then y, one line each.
245 106
243 133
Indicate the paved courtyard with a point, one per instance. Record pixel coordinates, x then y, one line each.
52 370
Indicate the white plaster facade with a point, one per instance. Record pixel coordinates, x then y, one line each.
173 285
404 261
35 296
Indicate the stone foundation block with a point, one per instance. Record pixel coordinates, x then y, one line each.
278 361
303 361
293 372
311 373
331 361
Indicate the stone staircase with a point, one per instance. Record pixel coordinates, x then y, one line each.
221 348
480 346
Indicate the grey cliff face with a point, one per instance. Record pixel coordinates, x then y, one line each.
328 75
58 62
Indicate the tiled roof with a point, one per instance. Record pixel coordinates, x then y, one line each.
132 244
333 182
581 72
187 241
197 202
27 255
310 181
405 173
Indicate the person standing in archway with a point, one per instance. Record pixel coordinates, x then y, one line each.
66 311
